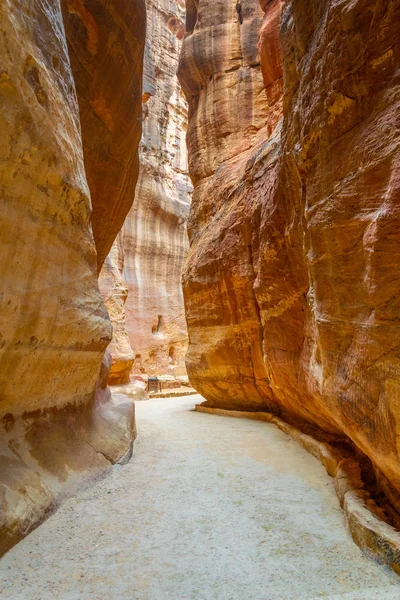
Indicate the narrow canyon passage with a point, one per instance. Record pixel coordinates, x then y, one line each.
199 193
209 508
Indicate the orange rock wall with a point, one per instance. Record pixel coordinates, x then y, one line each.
233 142
291 287
59 424
106 47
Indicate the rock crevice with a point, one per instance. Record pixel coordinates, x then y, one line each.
148 256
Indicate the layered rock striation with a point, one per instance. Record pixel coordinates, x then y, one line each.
153 244
114 292
291 286
105 42
59 424
233 140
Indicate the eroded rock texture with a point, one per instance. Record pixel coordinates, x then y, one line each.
153 243
106 48
291 289
59 425
232 155
114 292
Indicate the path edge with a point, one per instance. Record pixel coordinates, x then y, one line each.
375 537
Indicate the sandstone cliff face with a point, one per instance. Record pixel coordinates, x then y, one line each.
345 150
59 425
106 47
231 160
153 242
291 287
114 292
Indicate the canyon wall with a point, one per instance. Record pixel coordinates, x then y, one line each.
291 287
114 292
60 130
150 335
233 140
105 42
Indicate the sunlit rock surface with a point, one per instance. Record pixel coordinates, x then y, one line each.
59 425
114 292
291 288
153 243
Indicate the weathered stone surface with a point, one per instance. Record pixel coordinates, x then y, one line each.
232 162
291 287
114 292
153 243
344 154
59 426
106 48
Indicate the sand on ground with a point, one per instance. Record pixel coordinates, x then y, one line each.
209 508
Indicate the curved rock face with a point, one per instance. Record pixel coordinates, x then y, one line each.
345 153
153 243
232 155
291 287
106 48
59 425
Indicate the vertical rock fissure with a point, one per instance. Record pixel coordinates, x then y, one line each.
265 397
239 11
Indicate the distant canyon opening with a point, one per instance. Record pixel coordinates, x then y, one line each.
141 279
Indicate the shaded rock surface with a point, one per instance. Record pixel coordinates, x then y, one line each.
148 256
59 424
234 141
291 287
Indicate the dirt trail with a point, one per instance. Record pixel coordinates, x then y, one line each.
210 508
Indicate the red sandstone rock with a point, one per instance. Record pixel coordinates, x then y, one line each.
344 157
270 50
232 163
291 287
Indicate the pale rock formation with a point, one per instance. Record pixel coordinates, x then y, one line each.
291 288
59 424
114 292
153 243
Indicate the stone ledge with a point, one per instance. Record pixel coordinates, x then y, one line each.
376 538
171 393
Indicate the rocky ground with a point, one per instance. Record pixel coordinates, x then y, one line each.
209 508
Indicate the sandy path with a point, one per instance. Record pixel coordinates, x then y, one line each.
210 508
